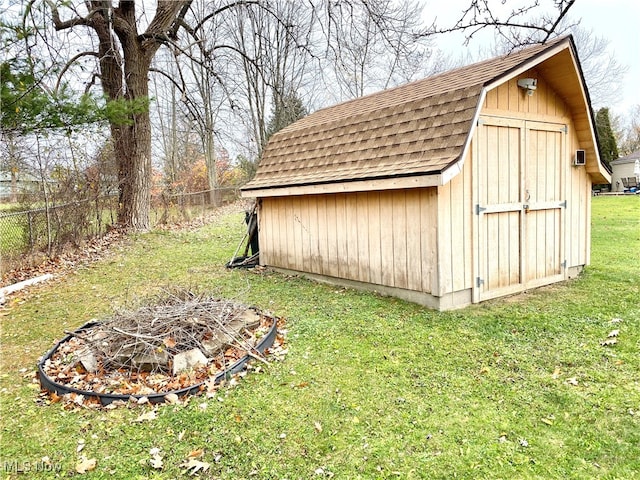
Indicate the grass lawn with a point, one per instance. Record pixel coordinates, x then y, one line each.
371 387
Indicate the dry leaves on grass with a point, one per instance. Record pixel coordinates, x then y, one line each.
192 466
85 465
68 261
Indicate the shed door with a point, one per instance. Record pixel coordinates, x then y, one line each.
519 208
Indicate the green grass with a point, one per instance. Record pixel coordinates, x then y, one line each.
398 391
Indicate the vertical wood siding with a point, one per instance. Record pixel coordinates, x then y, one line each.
578 238
455 271
508 98
385 238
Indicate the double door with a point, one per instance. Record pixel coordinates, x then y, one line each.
520 167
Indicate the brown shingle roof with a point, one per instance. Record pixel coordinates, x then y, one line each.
415 129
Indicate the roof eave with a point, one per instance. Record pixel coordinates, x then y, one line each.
364 185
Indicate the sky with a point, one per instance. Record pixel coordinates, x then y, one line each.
616 20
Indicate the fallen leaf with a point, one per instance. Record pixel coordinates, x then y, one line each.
613 333
171 398
317 426
193 466
556 373
196 453
609 341
546 421
147 416
169 342
156 458
85 465
572 381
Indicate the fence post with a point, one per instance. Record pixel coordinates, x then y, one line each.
30 223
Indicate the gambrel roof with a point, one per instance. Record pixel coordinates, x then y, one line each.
419 132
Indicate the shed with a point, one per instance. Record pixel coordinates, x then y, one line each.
624 168
461 187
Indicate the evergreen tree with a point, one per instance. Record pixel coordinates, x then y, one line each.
608 147
287 108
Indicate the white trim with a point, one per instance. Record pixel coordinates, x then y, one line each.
456 168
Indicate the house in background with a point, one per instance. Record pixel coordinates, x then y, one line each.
461 187
624 167
14 186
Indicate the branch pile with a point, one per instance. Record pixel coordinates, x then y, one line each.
183 340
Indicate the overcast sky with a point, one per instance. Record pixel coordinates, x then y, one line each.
616 20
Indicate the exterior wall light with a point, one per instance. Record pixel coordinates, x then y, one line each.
528 84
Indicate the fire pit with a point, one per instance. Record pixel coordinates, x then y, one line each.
180 346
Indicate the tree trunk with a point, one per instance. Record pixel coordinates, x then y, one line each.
132 148
125 76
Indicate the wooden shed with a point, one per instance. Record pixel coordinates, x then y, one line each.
461 187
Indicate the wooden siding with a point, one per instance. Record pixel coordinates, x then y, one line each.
578 226
510 100
455 205
383 238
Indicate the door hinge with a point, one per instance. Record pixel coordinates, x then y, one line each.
479 282
563 204
479 209
565 129
564 264
480 121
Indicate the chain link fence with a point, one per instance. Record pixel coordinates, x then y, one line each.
47 230
184 207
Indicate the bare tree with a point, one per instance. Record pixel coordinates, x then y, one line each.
128 34
277 52
630 135
514 22
603 73
125 52
375 45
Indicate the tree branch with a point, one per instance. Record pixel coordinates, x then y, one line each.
69 63
60 24
479 16
222 9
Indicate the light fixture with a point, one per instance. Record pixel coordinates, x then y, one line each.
528 84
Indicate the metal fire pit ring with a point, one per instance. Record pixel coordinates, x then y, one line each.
106 398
